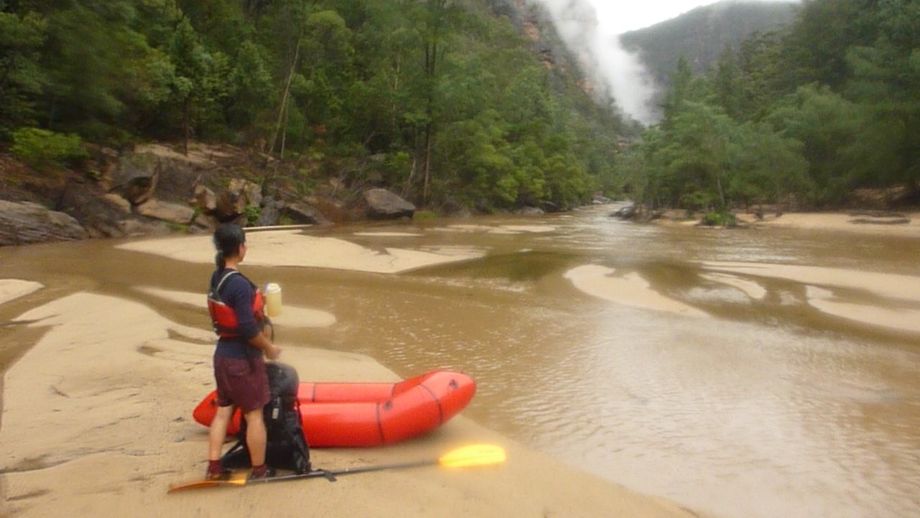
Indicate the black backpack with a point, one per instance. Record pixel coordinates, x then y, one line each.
286 446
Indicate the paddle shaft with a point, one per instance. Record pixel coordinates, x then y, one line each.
331 475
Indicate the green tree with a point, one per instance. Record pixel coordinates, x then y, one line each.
886 80
21 77
767 167
252 95
828 126
199 85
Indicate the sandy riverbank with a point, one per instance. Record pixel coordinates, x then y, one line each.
96 422
839 221
293 248
817 221
14 288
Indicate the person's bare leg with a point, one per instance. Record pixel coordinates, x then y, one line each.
218 431
255 437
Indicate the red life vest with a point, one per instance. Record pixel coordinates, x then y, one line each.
223 317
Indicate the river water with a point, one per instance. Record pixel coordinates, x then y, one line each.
645 354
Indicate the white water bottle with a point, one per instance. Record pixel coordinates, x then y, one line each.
272 299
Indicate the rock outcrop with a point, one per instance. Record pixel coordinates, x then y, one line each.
303 213
383 204
627 212
101 214
530 211
26 222
232 203
135 177
166 211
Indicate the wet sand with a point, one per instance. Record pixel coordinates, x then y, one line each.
14 288
509 230
897 319
850 294
836 221
96 421
887 285
750 288
629 290
292 248
387 234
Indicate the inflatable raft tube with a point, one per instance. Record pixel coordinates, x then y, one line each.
369 414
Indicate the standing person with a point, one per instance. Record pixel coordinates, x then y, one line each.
236 308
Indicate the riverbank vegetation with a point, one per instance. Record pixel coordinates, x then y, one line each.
802 117
468 104
444 101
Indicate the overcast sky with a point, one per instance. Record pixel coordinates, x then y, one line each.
627 16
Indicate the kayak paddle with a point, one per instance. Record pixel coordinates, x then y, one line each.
473 456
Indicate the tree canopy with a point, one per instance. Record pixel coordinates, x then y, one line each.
802 116
449 93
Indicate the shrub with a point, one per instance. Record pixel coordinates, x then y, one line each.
720 219
252 213
43 148
424 215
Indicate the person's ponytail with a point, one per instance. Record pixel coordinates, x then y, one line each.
227 240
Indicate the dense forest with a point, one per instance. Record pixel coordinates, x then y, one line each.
804 116
701 34
444 100
454 103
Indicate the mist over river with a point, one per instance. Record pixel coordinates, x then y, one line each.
750 372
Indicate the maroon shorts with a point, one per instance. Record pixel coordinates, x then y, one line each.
241 382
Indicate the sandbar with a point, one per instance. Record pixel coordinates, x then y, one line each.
900 319
96 422
838 221
629 290
14 288
293 248
291 316
888 285
497 230
750 288
386 234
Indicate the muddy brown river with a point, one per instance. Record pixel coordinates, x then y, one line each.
755 372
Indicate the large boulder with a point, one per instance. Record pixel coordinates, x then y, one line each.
178 174
626 212
303 213
530 211
154 170
204 199
26 222
271 211
166 211
99 213
232 203
136 176
383 204
249 191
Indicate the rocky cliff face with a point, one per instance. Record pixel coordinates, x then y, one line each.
153 189
535 24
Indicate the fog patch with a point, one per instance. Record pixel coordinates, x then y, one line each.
614 72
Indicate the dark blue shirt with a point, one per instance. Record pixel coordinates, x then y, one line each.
238 293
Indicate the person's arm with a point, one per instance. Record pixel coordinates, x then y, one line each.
239 297
260 341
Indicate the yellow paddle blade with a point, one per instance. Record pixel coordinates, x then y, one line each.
473 456
238 478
